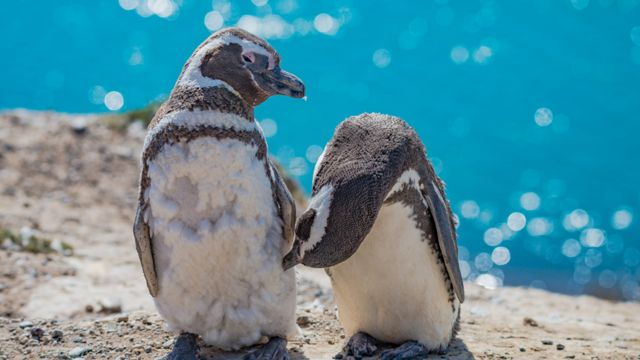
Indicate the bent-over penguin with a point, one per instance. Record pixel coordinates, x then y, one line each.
379 223
214 217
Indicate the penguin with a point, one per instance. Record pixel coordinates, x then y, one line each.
214 216
378 221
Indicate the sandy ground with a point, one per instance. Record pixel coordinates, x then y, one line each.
74 179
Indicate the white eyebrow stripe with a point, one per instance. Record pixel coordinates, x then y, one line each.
193 77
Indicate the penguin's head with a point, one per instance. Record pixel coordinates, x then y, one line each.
242 61
344 205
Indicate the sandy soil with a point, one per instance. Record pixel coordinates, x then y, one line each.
74 179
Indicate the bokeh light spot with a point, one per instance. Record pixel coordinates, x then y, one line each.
621 219
470 209
516 221
592 237
543 117
381 58
501 256
530 201
571 248
113 100
493 236
313 153
269 127
326 24
213 20
459 54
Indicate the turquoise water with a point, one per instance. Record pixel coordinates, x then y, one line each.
530 110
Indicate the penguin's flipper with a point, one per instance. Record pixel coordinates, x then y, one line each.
286 203
145 251
446 238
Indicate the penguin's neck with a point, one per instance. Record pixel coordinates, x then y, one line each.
219 97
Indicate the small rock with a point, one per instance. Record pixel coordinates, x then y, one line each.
547 342
303 321
37 332
26 324
122 318
338 356
560 347
110 305
522 349
330 342
529 322
88 308
167 344
79 126
57 334
147 349
78 352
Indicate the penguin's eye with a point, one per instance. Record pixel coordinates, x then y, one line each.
303 227
249 57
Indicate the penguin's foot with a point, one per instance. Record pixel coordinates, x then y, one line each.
406 351
360 345
186 348
275 349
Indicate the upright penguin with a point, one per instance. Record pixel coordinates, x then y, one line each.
214 217
379 223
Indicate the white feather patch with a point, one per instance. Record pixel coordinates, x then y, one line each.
393 287
321 203
192 119
317 167
218 243
408 177
192 76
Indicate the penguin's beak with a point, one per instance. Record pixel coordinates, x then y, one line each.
283 83
293 257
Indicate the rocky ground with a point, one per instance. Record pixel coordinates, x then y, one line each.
73 180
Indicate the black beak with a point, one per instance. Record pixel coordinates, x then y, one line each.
292 258
283 83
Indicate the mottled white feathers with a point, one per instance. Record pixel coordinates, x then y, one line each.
217 236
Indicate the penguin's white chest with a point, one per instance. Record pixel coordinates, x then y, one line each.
392 287
217 243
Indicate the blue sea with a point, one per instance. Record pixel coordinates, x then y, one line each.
530 109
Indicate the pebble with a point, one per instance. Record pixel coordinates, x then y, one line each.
122 318
57 334
167 344
147 349
560 347
79 126
522 349
78 352
26 324
303 321
547 342
37 332
110 305
530 322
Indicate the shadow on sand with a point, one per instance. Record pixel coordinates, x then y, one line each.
457 351
210 353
